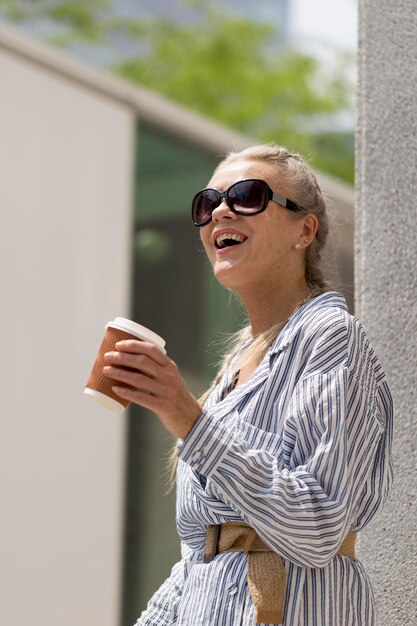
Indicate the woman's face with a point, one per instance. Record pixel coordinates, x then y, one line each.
267 253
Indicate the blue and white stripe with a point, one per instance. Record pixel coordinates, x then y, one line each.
302 453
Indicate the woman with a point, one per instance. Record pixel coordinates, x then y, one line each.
291 455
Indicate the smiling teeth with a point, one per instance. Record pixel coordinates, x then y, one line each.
219 240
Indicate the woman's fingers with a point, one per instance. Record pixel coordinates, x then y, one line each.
134 346
142 398
138 362
139 355
134 379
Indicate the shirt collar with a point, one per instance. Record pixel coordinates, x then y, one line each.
297 319
284 338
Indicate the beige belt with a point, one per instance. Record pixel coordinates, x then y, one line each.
266 572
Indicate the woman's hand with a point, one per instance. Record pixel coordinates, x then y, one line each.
155 383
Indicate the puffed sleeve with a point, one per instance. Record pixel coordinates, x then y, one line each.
162 608
302 490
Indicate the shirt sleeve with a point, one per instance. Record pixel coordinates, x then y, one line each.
162 608
300 491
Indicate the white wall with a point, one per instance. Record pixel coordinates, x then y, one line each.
66 156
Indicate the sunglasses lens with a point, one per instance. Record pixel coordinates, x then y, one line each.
248 196
203 206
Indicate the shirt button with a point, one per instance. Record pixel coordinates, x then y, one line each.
197 456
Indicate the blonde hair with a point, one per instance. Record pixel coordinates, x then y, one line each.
302 188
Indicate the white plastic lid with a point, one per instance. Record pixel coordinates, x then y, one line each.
121 323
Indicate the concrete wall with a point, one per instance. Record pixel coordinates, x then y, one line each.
65 198
386 276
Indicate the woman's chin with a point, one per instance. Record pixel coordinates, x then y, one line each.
229 276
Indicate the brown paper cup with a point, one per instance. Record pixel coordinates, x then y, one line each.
99 386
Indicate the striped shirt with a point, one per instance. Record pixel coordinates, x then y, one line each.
302 453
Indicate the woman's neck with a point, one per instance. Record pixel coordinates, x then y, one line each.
268 305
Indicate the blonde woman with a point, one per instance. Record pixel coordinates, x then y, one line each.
288 456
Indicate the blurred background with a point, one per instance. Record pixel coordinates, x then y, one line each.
113 113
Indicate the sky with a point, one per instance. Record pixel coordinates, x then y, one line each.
329 21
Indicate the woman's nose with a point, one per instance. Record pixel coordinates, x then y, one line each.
223 212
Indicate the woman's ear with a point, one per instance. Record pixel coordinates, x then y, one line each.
310 226
307 231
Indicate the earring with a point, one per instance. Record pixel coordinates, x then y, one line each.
306 241
297 245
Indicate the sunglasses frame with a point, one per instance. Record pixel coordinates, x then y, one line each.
269 196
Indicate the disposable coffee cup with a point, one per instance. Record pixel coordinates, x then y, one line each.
99 386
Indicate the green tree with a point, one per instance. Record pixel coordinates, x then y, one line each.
221 65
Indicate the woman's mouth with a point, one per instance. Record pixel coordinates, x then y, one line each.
226 240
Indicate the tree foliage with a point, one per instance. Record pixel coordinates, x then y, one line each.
221 65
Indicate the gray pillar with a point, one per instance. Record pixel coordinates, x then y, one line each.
386 278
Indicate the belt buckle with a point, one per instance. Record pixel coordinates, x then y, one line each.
212 542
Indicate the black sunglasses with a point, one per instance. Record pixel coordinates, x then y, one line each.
246 197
